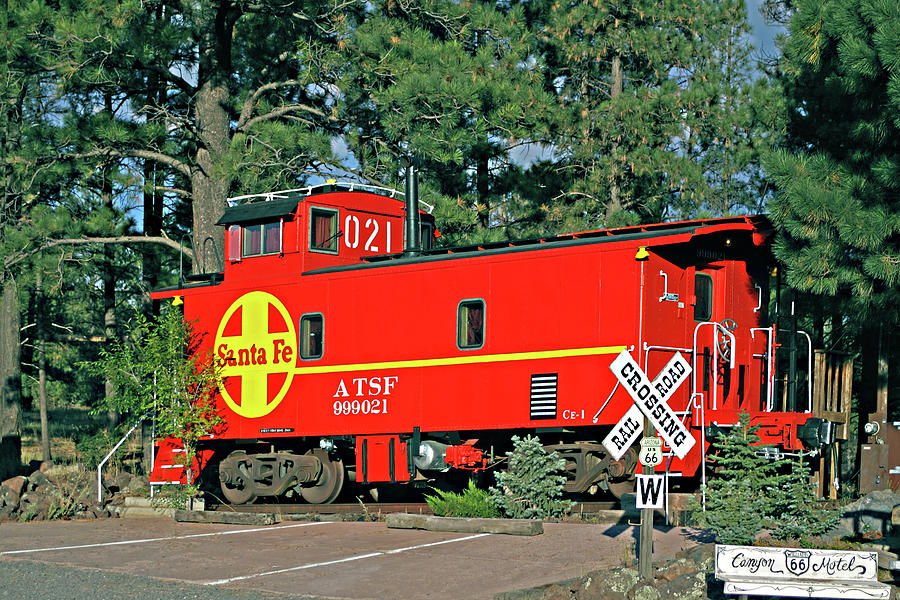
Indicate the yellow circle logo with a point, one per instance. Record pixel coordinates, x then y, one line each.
257 344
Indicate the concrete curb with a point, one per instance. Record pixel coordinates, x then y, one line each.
461 525
229 518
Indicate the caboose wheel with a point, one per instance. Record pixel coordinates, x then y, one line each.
234 478
621 474
330 482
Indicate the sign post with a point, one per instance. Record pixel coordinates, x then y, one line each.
645 551
650 401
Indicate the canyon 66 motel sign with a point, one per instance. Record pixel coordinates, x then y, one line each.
650 400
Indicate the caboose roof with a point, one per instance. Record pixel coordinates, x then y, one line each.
260 211
283 203
600 236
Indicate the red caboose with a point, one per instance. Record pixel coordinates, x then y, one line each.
344 355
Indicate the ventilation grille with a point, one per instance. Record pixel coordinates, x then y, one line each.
543 396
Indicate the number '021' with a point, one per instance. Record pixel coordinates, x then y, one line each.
374 406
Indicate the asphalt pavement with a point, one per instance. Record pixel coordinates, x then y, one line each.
159 558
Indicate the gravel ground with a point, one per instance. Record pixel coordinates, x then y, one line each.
29 580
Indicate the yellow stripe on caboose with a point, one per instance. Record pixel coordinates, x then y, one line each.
460 360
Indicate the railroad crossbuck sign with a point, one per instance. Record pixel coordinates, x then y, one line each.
650 399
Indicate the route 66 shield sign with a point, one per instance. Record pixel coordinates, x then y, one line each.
797 561
651 451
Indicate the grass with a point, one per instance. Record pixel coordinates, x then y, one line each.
66 426
77 435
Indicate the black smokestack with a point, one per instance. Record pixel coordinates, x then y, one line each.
413 242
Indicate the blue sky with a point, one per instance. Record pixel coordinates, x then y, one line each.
763 34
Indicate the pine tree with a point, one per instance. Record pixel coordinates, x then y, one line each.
656 113
532 485
740 488
751 489
223 98
839 176
796 511
455 85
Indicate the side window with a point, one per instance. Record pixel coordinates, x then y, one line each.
426 236
234 243
252 240
703 291
470 324
272 238
323 231
312 341
262 238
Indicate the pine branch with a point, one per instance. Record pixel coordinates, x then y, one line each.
165 159
18 257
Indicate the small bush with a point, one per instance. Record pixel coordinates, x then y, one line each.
91 448
532 486
796 512
747 492
471 503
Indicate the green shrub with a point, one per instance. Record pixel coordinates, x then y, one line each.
532 486
796 512
747 492
91 448
472 503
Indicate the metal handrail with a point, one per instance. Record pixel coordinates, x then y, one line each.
770 367
307 191
716 328
108 456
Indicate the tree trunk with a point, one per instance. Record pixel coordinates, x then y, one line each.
10 379
109 282
209 188
153 203
42 367
615 201
482 184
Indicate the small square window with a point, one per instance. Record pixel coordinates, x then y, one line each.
703 292
323 231
470 324
312 341
272 238
252 240
261 238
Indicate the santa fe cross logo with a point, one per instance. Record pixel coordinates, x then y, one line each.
256 343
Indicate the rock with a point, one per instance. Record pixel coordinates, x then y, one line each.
703 555
647 591
37 479
8 499
686 585
593 587
870 515
16 485
46 466
33 506
137 484
621 579
675 568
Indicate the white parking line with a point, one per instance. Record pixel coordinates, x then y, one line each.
342 560
161 539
